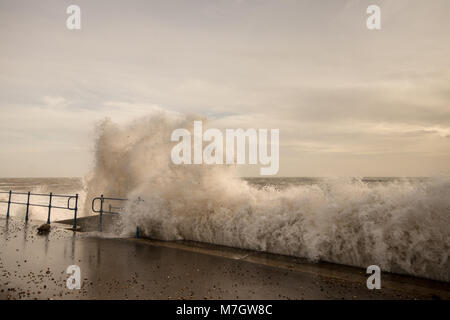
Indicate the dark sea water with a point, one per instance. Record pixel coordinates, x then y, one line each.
75 185
285 182
56 185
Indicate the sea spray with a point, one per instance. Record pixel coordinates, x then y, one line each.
402 226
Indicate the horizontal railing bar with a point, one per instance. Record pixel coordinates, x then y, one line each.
58 207
104 211
104 198
38 194
24 203
53 195
12 192
37 205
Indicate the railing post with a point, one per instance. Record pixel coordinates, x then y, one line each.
9 204
137 232
75 215
49 207
100 222
28 206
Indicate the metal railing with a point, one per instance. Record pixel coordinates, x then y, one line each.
111 209
50 206
101 210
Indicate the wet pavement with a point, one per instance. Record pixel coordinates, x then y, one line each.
34 266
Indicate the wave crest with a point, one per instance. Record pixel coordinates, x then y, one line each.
402 226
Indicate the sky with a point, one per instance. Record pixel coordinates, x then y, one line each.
348 101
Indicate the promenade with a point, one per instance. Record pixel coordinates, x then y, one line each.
34 266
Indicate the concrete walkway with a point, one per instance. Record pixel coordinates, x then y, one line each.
34 267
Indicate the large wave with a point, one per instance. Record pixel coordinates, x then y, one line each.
402 226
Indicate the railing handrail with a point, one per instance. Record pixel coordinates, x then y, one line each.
69 197
37 205
39 194
49 205
102 199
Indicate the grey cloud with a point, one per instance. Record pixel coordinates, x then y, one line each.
310 68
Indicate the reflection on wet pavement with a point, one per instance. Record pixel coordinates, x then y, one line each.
34 266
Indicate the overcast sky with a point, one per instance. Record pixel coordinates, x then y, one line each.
348 101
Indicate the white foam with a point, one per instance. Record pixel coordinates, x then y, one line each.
401 226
